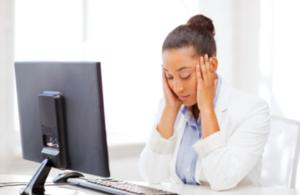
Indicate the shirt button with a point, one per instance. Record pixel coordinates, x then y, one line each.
187 169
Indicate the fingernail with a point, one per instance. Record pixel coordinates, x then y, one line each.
210 59
197 66
201 58
206 56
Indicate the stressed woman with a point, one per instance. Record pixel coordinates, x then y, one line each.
206 132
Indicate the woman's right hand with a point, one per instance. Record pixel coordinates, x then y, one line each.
171 99
166 124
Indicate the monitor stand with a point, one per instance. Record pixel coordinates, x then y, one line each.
36 185
55 190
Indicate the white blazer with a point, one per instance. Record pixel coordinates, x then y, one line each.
227 158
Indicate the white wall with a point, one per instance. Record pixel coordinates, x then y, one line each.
222 14
246 30
257 47
237 36
6 81
281 75
246 41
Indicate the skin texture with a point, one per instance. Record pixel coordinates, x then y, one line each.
183 75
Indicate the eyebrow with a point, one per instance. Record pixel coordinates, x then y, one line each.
178 69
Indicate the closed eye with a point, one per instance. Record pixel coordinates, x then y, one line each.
182 78
186 77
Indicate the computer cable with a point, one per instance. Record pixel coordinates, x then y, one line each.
9 184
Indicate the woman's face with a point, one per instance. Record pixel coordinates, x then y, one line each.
180 69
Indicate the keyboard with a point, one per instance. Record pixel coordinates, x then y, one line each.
116 187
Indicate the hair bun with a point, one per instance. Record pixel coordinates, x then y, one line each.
200 20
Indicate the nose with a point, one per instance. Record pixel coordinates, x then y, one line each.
177 86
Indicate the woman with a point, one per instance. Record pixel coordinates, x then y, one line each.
206 132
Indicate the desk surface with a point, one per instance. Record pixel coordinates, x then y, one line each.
178 188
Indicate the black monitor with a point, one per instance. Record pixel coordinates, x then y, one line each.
62 121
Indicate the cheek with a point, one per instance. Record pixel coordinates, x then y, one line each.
171 84
192 86
193 89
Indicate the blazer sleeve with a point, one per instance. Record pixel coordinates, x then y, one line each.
155 157
226 163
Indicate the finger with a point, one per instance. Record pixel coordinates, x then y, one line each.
164 78
215 84
200 67
207 66
204 69
198 73
211 65
211 70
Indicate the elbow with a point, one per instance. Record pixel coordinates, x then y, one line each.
224 182
153 167
147 175
151 180
219 185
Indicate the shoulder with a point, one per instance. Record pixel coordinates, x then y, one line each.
243 101
248 110
237 101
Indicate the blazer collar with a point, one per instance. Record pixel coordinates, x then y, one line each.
224 95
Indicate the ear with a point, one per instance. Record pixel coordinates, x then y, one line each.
215 63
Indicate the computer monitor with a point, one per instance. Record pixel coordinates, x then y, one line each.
62 117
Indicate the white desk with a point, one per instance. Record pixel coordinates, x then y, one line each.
180 189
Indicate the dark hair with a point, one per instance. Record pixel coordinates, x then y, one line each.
197 33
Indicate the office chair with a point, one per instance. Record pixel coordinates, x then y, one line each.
281 154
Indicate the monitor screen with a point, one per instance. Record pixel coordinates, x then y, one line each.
80 86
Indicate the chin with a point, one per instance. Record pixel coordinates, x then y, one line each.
189 103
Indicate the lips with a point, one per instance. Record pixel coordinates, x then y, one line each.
183 97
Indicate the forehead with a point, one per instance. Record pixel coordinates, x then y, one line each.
174 59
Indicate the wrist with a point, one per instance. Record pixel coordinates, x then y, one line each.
171 109
207 111
166 124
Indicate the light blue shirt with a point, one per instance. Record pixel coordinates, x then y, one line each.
187 157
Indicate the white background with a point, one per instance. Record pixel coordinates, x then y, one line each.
257 48
125 36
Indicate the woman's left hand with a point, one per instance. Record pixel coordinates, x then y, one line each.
206 84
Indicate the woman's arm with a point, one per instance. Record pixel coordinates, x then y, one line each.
155 158
226 163
166 124
206 90
172 104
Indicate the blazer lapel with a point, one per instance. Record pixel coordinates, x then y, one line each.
179 126
223 102
223 98
220 110
221 114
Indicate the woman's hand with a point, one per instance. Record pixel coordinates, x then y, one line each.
206 89
171 99
206 84
166 124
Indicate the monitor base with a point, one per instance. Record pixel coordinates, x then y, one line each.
37 182
56 190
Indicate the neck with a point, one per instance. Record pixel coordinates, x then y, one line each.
196 111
